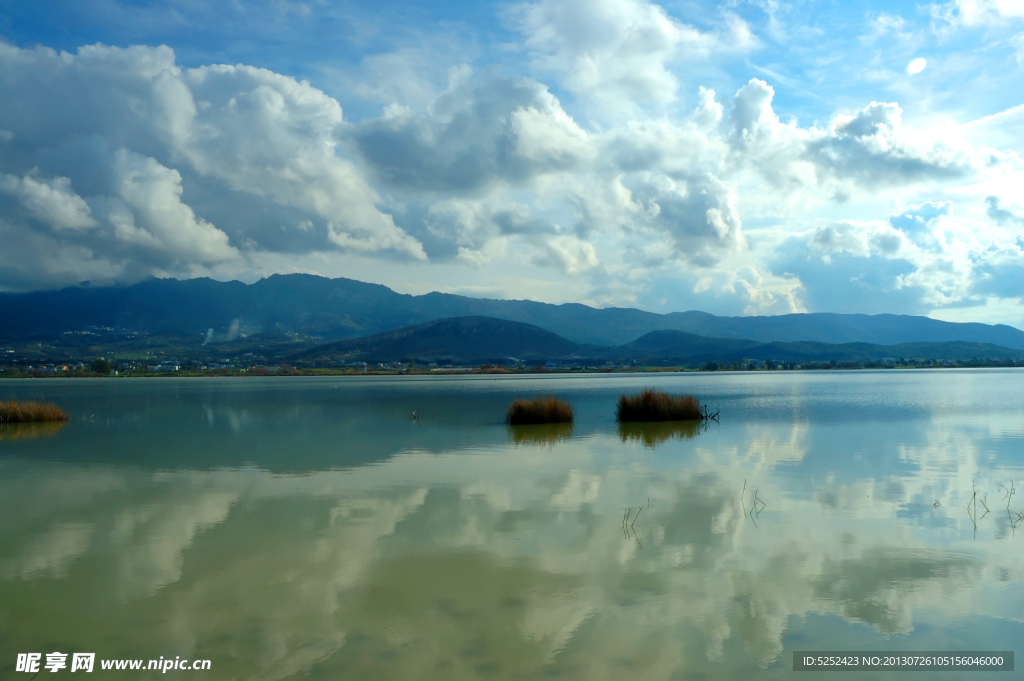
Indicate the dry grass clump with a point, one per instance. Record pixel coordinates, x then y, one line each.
547 409
653 433
30 412
11 432
655 405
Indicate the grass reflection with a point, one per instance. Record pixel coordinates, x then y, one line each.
10 432
541 435
653 433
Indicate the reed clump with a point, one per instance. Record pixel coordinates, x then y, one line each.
547 409
30 412
656 405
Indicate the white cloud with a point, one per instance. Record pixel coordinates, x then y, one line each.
620 52
868 150
763 293
52 202
697 213
583 159
134 224
860 239
572 254
1004 215
970 13
923 258
119 175
272 136
146 210
481 131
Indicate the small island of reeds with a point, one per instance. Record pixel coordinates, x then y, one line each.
548 409
657 405
30 412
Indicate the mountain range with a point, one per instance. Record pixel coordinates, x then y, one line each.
476 340
291 314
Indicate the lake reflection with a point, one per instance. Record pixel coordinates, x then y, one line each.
543 434
654 433
290 528
30 431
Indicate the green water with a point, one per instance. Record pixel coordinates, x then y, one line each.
310 528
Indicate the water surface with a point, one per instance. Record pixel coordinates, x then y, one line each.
310 528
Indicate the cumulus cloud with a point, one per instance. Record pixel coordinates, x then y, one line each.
841 271
1002 215
763 293
863 151
271 136
571 253
107 146
118 163
620 52
862 239
480 131
999 270
490 135
469 222
136 224
922 258
51 202
145 209
697 213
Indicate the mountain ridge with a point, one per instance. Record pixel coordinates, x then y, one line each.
467 339
476 340
337 309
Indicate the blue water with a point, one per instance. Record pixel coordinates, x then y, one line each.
310 527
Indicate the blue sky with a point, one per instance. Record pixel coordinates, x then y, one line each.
738 158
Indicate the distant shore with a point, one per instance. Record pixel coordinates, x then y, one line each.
497 371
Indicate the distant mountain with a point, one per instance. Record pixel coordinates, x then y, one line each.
475 340
472 340
686 346
827 327
690 348
295 307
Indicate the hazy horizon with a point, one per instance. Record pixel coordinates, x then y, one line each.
755 158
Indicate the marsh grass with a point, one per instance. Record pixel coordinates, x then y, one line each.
656 405
548 409
653 433
30 412
540 435
11 432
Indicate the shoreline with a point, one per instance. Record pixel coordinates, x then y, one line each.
468 371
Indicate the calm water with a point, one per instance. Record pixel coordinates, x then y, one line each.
309 528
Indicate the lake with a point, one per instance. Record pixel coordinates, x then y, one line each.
311 528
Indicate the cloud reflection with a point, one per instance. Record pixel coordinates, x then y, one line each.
494 561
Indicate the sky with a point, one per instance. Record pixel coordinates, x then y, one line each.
739 158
